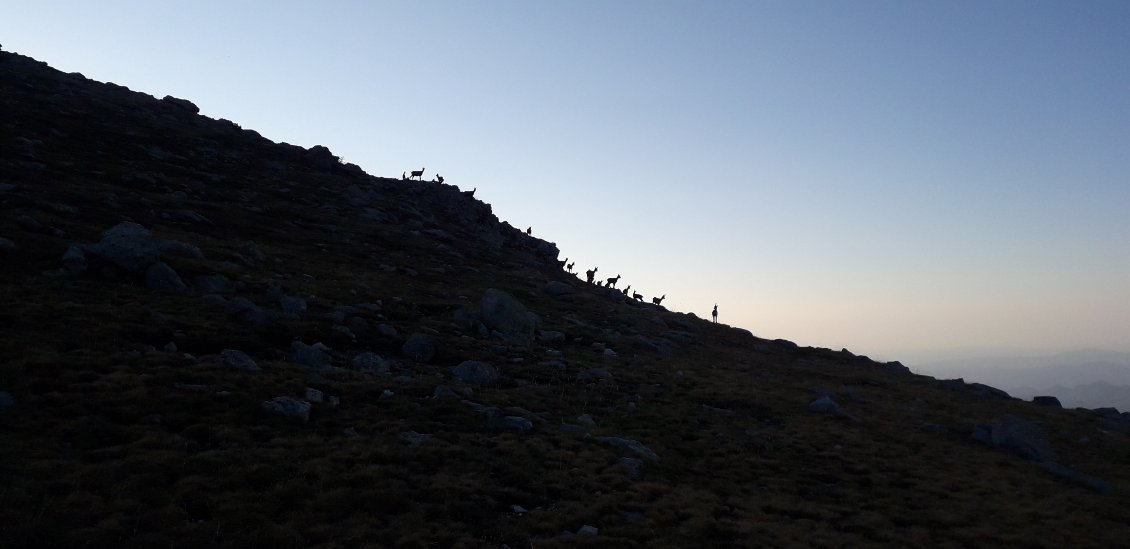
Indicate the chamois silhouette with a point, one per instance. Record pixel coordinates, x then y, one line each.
404 176
569 266
592 273
658 300
418 174
439 178
637 296
529 231
470 193
715 313
612 281
625 290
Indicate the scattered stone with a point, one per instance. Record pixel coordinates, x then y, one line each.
387 331
474 372
518 510
160 277
238 359
513 423
289 407
825 405
550 336
386 394
1047 401
170 347
585 419
250 254
630 445
588 530
315 355
595 374
369 362
314 395
419 348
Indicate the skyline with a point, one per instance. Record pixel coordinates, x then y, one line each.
895 179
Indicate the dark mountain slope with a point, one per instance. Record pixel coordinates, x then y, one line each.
214 340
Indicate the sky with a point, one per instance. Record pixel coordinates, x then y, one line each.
905 179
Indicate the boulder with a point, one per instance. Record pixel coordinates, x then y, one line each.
314 355
512 423
127 245
632 466
503 313
419 348
1015 435
474 372
239 360
1047 401
369 362
74 260
160 277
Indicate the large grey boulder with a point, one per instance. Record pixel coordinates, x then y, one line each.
160 277
1016 435
474 372
133 248
503 313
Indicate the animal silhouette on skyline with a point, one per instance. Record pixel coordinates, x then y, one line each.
591 273
417 174
612 281
659 300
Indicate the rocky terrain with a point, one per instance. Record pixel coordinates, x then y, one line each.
214 340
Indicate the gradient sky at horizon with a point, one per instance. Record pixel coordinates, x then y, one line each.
896 178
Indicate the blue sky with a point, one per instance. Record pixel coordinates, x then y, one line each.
897 178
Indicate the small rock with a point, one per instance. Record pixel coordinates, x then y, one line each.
311 355
630 445
387 331
74 260
474 372
369 362
513 423
585 419
518 510
170 347
238 359
550 336
588 530
290 407
1048 401
314 395
594 374
386 394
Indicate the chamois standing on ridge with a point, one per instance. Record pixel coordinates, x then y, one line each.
591 273
625 290
658 300
439 178
529 231
418 174
612 281
569 266
637 296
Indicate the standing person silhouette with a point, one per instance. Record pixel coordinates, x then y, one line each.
715 313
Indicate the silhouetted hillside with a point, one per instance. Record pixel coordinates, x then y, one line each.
211 339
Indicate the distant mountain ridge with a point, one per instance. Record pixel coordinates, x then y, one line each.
1088 378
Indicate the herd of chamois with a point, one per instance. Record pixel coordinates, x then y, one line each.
590 275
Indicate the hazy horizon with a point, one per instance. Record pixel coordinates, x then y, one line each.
904 180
